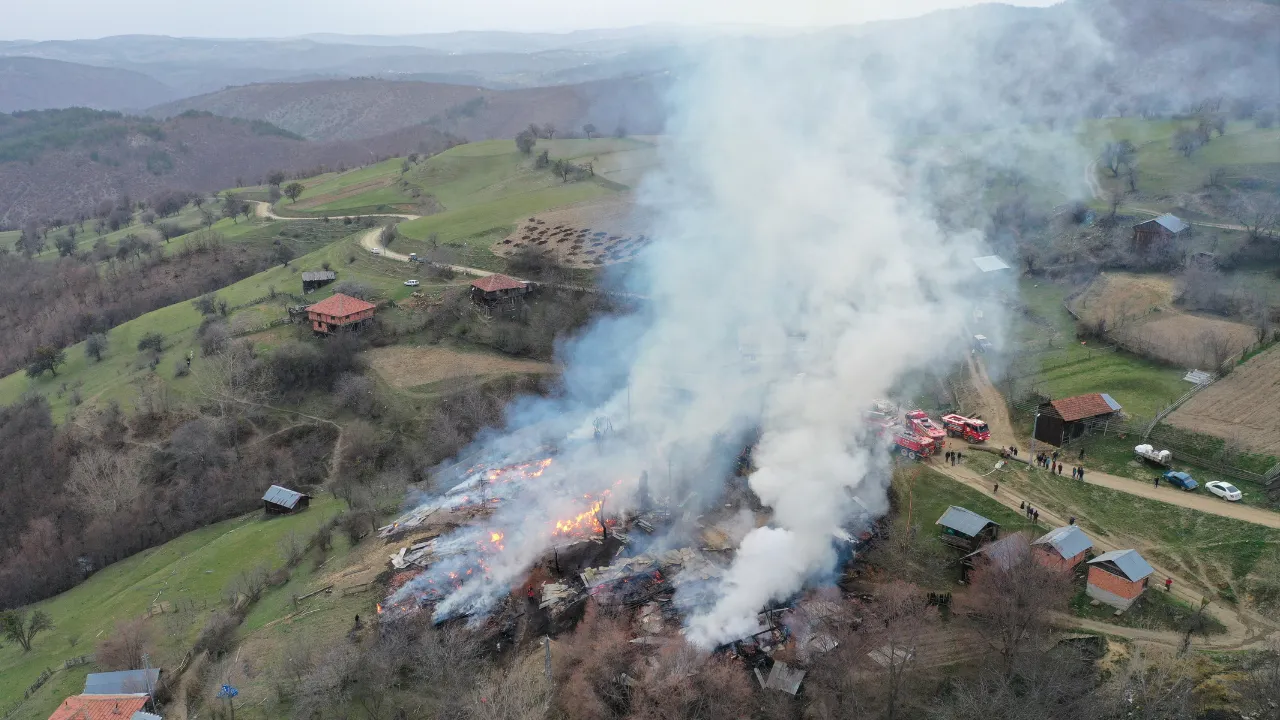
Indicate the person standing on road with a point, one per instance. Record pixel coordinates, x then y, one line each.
1081 474
995 488
1157 481
959 456
1168 584
1035 517
1059 469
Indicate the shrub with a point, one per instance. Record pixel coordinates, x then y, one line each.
218 635
123 649
151 341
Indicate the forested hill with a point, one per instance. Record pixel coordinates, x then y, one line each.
63 163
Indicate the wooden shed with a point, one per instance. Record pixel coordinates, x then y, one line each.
339 311
1062 548
1158 231
313 280
1063 420
1117 578
965 529
283 501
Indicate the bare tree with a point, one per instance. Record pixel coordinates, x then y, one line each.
1258 214
231 378
521 693
1259 686
123 648
1186 141
683 682
1013 599
1116 155
549 131
104 483
1154 685
1217 346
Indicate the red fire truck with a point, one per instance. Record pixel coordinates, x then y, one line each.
971 429
912 445
920 424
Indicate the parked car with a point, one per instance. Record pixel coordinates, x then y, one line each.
1224 490
1181 480
411 283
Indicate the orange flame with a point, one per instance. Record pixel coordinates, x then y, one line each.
584 522
379 608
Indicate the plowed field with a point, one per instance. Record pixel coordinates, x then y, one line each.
1244 406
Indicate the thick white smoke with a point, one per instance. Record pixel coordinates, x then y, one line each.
793 281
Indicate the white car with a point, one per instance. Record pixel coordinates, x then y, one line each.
1224 490
411 283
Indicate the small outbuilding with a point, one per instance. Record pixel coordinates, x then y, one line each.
498 291
1117 578
339 311
966 529
283 501
122 682
1159 231
1062 548
313 280
1064 420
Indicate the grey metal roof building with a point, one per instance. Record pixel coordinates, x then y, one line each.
1128 562
1068 541
1172 223
283 500
122 682
318 275
966 522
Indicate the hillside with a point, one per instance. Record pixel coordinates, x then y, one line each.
28 83
361 108
63 163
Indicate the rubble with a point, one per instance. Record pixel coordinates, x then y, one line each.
782 677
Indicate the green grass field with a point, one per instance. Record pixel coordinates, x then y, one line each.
1072 367
123 372
191 572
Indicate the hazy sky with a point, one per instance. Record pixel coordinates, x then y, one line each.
66 19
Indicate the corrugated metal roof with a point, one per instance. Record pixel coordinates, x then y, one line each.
964 521
1172 223
121 682
1069 541
140 715
990 263
1111 402
1130 563
316 275
284 497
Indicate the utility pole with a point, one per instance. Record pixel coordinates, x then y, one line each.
1034 424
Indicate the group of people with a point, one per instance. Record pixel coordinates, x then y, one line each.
954 456
1049 462
1032 514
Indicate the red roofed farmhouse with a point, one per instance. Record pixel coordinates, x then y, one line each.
339 311
100 707
493 290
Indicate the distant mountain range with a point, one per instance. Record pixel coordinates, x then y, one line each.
28 83
352 109
62 163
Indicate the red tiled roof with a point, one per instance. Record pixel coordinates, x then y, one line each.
1081 407
99 707
339 305
494 283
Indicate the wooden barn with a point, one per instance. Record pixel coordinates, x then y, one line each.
1062 548
1159 231
339 311
1063 420
283 501
1117 578
313 280
498 291
966 529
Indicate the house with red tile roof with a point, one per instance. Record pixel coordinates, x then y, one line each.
101 707
339 311
495 290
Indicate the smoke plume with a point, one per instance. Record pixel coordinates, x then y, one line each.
800 272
